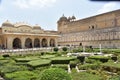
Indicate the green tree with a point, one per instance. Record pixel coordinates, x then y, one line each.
56 49
64 49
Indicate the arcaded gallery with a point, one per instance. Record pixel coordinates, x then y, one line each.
22 35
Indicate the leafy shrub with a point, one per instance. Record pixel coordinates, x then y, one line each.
21 75
55 74
56 49
64 48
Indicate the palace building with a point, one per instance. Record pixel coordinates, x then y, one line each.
22 35
101 29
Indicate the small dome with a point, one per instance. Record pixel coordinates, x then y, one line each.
7 23
36 27
73 17
63 18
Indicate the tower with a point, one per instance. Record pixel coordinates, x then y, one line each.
61 23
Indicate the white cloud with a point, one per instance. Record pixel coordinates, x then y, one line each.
108 7
34 3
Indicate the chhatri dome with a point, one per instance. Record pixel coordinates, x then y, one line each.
63 18
7 23
73 17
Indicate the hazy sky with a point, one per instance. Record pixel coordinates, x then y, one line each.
47 12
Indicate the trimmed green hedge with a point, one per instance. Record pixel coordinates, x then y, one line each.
21 75
3 62
39 63
81 58
1 57
11 68
100 58
85 76
62 60
74 63
115 78
110 66
47 56
91 61
111 51
54 74
26 59
89 66
63 66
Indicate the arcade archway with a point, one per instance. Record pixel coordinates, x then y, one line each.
52 43
16 43
44 42
36 43
28 43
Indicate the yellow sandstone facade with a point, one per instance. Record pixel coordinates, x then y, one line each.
22 35
101 29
